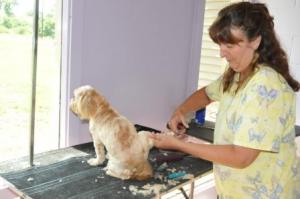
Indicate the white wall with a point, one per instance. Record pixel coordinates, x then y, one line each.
142 55
286 15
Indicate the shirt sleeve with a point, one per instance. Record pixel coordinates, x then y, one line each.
215 89
257 123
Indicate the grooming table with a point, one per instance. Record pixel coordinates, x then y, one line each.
72 177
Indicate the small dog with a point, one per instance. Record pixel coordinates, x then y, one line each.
127 150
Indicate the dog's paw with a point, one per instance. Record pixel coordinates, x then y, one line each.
95 161
119 174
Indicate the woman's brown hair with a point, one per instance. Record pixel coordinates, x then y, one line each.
254 20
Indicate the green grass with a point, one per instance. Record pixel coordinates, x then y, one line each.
15 89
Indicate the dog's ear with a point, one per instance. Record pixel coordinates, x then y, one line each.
88 103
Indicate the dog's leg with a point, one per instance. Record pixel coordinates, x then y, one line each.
146 142
144 171
100 155
124 175
115 169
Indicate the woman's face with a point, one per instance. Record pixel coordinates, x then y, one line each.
239 55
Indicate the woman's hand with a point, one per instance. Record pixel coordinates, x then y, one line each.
164 141
177 122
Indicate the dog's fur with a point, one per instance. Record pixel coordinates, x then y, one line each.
127 150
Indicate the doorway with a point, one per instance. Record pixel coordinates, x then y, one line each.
16 22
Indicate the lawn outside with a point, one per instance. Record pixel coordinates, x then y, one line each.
15 100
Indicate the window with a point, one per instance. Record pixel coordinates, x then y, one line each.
211 64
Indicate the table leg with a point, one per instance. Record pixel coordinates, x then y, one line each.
184 193
191 196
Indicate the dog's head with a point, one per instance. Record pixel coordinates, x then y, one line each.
86 101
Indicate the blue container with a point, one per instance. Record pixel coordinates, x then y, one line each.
200 116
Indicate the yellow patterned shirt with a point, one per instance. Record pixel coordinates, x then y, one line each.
261 115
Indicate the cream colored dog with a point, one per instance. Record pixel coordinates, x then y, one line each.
127 150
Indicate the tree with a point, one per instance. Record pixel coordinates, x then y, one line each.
47 29
7 6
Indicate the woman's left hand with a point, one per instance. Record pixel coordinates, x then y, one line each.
164 141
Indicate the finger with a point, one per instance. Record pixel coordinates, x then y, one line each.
181 131
173 126
168 125
153 136
183 122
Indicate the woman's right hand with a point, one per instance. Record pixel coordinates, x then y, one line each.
177 122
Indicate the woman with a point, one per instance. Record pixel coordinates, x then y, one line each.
254 153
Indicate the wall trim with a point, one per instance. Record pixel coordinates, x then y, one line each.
195 51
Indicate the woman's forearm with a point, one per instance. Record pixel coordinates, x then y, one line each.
229 155
197 100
